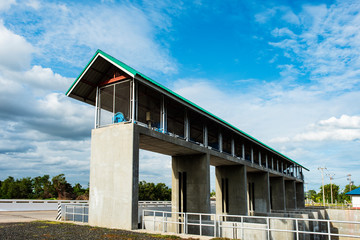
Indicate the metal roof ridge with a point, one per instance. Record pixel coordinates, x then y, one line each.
135 72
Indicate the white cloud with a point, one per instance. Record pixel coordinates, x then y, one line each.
345 128
327 46
6 4
15 51
121 29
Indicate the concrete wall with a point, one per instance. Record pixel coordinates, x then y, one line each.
277 186
300 196
114 177
261 191
197 196
237 190
290 194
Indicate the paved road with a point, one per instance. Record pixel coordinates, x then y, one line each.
6 217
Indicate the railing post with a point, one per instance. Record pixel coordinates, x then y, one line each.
163 220
142 220
268 228
185 223
200 224
242 227
154 221
297 229
214 217
329 230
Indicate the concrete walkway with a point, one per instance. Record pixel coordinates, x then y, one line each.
8 217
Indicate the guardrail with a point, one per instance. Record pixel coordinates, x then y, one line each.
33 204
236 226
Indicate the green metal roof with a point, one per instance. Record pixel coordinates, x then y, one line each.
135 73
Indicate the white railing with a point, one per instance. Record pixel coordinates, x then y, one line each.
154 203
235 226
180 222
33 204
76 212
300 226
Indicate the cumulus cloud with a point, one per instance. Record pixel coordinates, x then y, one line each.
122 29
15 51
345 128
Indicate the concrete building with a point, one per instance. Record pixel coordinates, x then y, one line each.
355 198
134 112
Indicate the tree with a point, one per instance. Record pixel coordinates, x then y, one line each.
25 188
8 188
80 192
152 192
42 187
343 197
312 195
327 189
63 189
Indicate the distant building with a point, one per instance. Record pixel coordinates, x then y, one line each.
355 194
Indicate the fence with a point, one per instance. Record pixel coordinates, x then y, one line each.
33 205
179 222
76 212
249 227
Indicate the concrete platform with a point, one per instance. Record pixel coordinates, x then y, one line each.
28 216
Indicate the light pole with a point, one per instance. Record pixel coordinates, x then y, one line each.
331 176
322 176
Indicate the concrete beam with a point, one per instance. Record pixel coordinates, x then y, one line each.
114 177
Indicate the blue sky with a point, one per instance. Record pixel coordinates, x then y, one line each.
286 72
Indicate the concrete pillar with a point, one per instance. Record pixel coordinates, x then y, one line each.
300 196
231 190
290 194
243 152
114 177
277 186
259 191
252 155
191 183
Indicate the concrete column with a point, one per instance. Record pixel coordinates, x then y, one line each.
232 147
290 194
206 140
192 192
266 162
220 142
252 155
114 177
277 186
259 158
243 152
300 196
231 190
261 191
187 126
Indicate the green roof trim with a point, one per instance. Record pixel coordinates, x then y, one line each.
134 72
